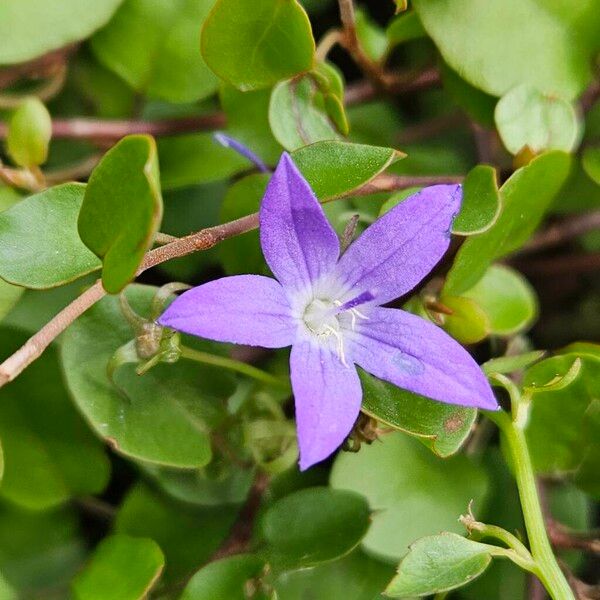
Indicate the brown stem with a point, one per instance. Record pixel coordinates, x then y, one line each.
563 537
571 264
390 183
590 96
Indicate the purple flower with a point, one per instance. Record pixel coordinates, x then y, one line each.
328 309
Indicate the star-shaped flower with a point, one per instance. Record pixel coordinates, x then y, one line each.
328 308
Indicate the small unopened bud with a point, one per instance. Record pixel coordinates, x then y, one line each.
29 133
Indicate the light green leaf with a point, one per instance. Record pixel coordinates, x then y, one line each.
468 322
188 535
122 568
29 133
253 45
507 299
403 28
224 579
440 563
412 492
39 429
298 114
312 526
509 364
162 417
371 36
122 209
481 202
524 199
442 427
9 296
154 46
472 34
29 28
39 243
591 162
336 168
527 118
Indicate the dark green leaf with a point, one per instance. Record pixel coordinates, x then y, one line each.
122 209
527 118
122 568
187 535
440 563
29 28
314 525
39 243
161 417
224 579
441 427
154 46
591 163
524 199
412 492
254 45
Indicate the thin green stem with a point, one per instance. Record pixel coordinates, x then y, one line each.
232 365
548 569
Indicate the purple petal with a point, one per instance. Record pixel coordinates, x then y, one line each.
418 356
297 240
245 309
229 142
328 396
395 253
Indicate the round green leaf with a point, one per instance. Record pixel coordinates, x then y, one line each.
412 492
527 118
122 568
253 45
468 322
591 162
188 535
122 209
524 198
473 34
480 204
441 427
153 45
39 429
29 133
161 417
39 243
314 525
439 563
507 299
29 28
224 579
336 168
298 114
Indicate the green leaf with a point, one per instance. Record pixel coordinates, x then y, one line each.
371 36
242 254
39 243
248 120
196 158
39 429
442 427
29 28
509 364
353 577
224 579
29 133
9 296
154 46
122 209
336 169
403 28
527 118
254 45
298 114
591 162
562 429
438 564
187 535
507 299
468 322
162 417
122 568
472 34
312 526
524 199
412 492
481 202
